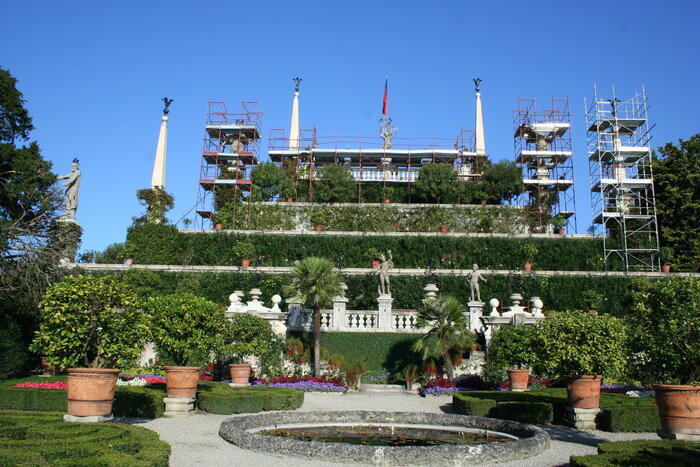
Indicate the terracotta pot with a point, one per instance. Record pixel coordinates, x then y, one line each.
387 200
245 263
91 391
476 347
584 392
483 202
182 381
376 264
289 200
561 230
679 408
527 267
318 228
49 370
217 226
443 228
240 374
665 268
128 261
518 379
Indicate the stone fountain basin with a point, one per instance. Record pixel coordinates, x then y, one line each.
241 431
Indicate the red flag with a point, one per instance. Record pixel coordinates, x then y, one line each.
385 103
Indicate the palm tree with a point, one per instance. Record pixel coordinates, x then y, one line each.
449 331
316 283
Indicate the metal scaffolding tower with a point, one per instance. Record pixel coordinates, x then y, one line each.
231 148
543 150
622 183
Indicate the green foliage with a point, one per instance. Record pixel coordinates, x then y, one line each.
250 335
218 398
161 244
573 343
15 122
243 250
665 319
637 419
13 351
186 328
448 334
437 183
157 202
501 182
659 453
40 438
510 347
465 405
677 191
540 413
90 321
334 185
270 182
114 253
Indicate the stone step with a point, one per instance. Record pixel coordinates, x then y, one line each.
382 387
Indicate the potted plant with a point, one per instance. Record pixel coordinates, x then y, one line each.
186 329
666 254
529 251
91 326
247 336
559 224
666 318
443 228
353 374
511 350
244 250
580 348
318 219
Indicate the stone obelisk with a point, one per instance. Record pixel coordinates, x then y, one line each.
294 126
158 178
480 146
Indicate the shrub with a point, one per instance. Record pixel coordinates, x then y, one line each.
40 438
437 183
13 350
526 412
510 347
186 328
662 453
90 321
220 399
250 335
573 343
335 184
465 405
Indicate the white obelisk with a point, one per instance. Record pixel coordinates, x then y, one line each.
480 143
294 126
158 178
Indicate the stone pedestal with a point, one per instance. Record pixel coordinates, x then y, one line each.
238 385
340 305
475 313
385 318
582 419
679 436
178 407
92 419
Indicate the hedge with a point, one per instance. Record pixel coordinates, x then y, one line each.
608 294
43 438
618 412
219 398
164 244
374 218
659 453
129 401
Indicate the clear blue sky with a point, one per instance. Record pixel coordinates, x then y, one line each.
93 74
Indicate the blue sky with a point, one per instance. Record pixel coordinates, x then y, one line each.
93 74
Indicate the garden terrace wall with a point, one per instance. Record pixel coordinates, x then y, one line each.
374 217
159 244
609 294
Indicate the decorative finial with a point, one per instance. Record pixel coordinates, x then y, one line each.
167 102
76 160
297 81
477 84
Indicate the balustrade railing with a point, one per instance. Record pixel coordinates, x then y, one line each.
356 321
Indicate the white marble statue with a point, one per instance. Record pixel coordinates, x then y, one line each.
386 265
474 278
72 185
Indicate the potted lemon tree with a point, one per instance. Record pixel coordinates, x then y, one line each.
510 350
247 336
92 326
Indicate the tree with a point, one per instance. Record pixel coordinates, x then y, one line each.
157 202
335 185
316 283
270 182
437 183
677 189
502 181
449 331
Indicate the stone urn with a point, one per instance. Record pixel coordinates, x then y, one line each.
679 411
583 392
91 392
518 379
182 381
240 374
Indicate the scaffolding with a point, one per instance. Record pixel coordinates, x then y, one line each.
622 182
231 147
543 151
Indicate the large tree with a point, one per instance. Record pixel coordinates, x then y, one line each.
32 242
437 183
335 185
677 187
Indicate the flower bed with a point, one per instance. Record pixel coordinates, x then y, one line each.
306 383
55 385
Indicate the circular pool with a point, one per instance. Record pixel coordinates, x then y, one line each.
390 438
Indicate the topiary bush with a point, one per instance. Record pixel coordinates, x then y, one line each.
659 453
250 335
220 399
510 348
540 413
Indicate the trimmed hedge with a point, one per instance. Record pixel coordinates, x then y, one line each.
43 438
164 244
219 398
608 294
659 453
618 412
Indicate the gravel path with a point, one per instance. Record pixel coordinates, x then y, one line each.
195 440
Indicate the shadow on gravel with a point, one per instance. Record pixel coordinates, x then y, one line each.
447 408
571 435
131 421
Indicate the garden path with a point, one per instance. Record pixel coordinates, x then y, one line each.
196 441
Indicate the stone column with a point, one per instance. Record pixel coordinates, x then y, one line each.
582 419
386 320
340 305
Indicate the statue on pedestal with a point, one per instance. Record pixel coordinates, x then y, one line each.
72 191
387 264
474 278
